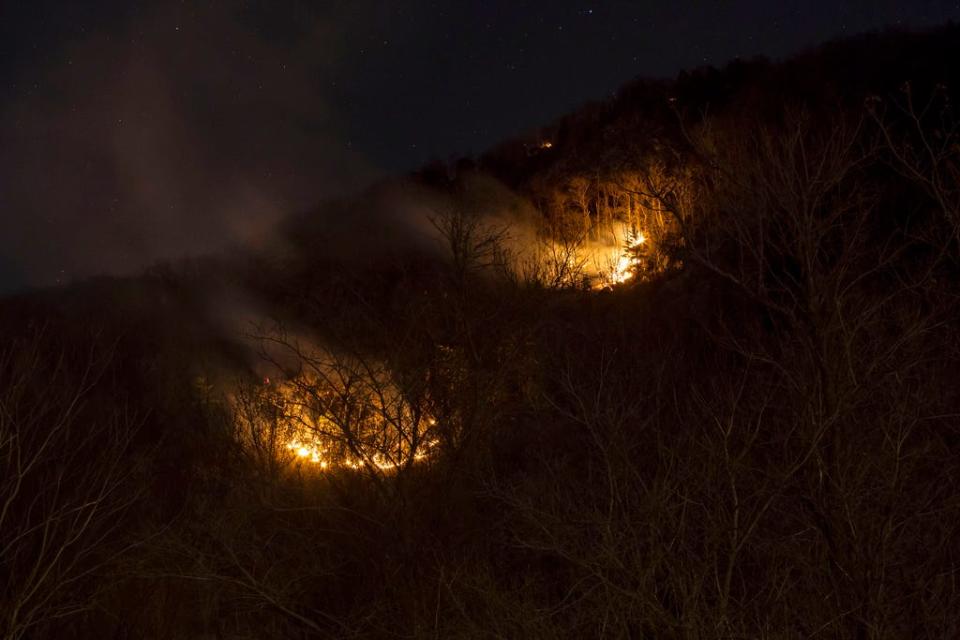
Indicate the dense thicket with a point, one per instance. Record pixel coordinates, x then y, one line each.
758 436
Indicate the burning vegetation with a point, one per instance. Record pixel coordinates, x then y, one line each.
342 414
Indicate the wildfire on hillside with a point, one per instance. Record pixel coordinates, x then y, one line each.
615 261
346 416
623 267
341 412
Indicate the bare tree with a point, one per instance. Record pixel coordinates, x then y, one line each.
352 409
263 429
475 243
788 218
926 150
553 263
67 473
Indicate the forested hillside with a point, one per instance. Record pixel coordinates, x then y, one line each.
683 364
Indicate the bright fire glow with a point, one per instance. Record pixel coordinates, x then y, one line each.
620 270
322 427
615 262
322 458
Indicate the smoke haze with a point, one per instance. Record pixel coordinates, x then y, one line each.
177 132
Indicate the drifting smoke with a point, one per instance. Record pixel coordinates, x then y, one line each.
176 133
400 216
180 130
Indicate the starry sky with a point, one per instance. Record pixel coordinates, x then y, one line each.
138 131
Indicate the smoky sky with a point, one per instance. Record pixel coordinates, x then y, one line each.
132 132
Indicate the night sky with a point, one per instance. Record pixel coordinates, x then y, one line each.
135 131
